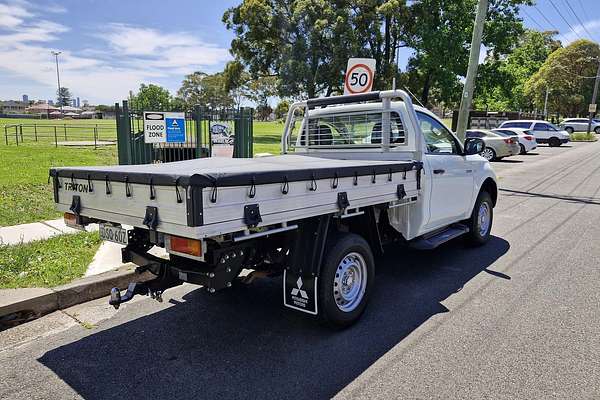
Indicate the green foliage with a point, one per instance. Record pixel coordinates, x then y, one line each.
206 90
307 43
151 97
63 97
501 78
282 109
583 137
563 74
47 263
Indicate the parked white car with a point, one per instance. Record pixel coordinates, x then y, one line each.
543 131
579 125
527 141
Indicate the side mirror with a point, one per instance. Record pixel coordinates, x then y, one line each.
474 146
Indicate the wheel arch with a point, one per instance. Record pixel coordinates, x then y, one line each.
490 186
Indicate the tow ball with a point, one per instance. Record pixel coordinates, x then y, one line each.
134 288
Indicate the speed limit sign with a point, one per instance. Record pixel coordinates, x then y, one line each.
359 75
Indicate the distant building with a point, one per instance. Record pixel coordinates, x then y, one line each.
25 98
78 103
86 103
51 102
13 107
73 103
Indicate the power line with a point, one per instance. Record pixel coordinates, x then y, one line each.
578 20
532 20
546 18
564 19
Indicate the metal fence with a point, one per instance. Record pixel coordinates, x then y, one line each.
199 122
60 134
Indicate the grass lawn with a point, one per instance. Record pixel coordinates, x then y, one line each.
583 137
25 195
47 263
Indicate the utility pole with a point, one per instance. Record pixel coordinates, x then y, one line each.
596 81
546 105
467 95
56 54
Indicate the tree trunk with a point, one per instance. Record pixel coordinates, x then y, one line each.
426 87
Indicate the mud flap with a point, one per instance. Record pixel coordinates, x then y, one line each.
300 292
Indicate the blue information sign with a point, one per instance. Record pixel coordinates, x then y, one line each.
175 128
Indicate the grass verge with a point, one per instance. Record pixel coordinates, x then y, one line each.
583 137
47 263
25 195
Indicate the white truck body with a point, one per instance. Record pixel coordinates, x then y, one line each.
380 172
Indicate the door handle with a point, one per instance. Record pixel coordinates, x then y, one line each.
439 171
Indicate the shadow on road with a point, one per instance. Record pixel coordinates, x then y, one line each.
572 199
242 343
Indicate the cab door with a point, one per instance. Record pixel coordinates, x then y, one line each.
451 174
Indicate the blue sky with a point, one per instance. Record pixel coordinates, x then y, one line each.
109 47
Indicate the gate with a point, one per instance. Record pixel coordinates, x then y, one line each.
202 126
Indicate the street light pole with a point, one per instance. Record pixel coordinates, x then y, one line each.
55 54
594 98
467 95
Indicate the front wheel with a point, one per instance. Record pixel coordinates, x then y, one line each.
554 142
480 223
346 279
522 147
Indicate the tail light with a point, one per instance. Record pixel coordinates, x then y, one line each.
528 137
184 246
508 140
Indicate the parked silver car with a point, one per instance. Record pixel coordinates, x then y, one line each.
579 125
496 146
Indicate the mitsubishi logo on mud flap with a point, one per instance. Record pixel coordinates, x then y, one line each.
298 290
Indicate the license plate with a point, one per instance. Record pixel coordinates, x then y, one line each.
113 234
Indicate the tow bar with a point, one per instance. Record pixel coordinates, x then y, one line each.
134 288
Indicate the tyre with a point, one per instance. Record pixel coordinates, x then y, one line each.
347 276
569 129
480 223
488 153
523 151
554 142
597 129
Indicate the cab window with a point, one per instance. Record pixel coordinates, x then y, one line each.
438 138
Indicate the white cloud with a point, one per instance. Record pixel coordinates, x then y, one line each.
592 26
118 60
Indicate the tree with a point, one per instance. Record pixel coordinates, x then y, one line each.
63 97
565 74
441 36
240 84
203 89
282 109
150 98
306 43
501 78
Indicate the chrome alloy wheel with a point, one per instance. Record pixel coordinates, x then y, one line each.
350 282
488 154
483 218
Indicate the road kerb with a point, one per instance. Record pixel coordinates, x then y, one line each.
36 302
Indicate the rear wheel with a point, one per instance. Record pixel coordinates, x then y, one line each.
346 279
569 129
488 153
554 142
480 223
523 151
597 129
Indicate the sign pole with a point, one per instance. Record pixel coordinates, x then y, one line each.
593 103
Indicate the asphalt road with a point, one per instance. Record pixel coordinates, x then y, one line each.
518 318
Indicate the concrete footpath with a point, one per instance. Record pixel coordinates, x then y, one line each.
26 233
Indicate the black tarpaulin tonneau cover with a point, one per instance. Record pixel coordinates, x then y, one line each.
207 172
